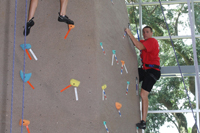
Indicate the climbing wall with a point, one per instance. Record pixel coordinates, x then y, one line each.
80 56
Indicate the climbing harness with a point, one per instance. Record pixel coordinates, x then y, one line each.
152 66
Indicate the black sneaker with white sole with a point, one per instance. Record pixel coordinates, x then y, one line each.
141 125
65 19
29 24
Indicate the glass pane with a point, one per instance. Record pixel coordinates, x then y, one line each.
197 17
176 17
169 94
170 123
184 52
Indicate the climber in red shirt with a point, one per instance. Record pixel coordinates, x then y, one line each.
150 71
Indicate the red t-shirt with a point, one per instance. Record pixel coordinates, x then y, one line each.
151 54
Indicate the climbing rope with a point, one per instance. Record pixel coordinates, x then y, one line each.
178 61
24 66
13 67
133 14
136 22
136 28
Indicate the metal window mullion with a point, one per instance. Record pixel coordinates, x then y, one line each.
140 27
175 37
196 86
197 101
140 18
173 111
163 3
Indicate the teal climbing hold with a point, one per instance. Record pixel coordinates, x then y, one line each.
28 46
27 76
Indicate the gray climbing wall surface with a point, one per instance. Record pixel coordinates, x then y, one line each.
78 57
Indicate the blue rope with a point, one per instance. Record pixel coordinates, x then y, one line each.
137 32
136 22
13 68
178 65
24 66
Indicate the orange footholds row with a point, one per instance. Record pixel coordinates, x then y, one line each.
25 122
28 54
70 26
30 84
65 88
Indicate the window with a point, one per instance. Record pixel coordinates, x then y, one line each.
169 107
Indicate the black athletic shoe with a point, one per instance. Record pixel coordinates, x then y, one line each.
65 19
29 24
141 125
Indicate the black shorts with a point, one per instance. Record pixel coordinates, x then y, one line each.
149 78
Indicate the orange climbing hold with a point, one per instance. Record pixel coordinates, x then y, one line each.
118 105
70 26
25 123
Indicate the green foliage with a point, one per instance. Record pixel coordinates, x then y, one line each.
189 130
169 93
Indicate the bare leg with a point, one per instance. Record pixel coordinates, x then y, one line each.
32 8
63 7
145 102
62 15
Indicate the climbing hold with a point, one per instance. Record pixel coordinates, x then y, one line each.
114 56
28 46
26 77
104 122
128 82
103 92
123 65
75 83
118 106
104 86
70 26
101 44
25 123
